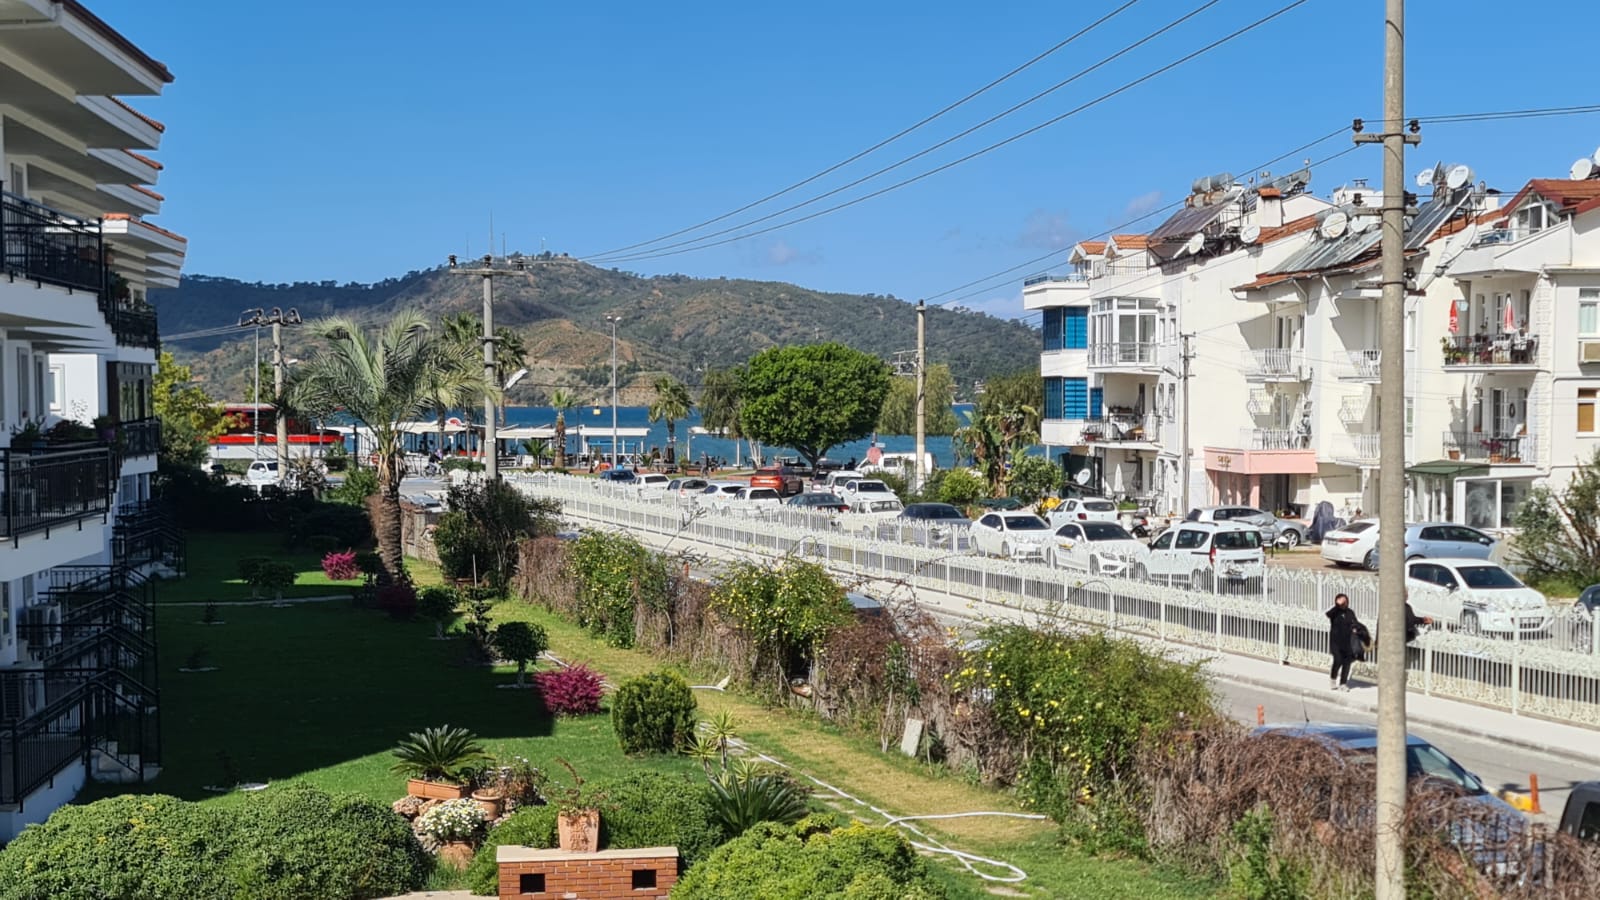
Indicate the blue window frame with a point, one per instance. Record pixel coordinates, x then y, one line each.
1052 398
1075 398
1075 330
1097 403
1053 329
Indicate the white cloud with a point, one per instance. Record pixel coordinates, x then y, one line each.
779 253
1047 230
1140 205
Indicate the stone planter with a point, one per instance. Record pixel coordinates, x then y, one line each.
456 854
493 803
435 790
579 831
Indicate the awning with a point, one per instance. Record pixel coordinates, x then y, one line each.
1449 468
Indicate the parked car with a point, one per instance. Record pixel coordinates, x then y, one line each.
1274 530
937 516
1357 543
262 473
1206 554
681 489
1099 548
835 481
1475 596
754 501
864 489
866 513
1584 610
864 606
783 479
1581 816
618 476
818 501
716 494
1083 509
651 485
1011 535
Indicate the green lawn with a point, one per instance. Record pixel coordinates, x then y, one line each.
213 560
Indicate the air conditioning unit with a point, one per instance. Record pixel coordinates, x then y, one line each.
1589 351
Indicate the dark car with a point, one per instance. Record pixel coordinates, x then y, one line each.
818 501
935 512
621 476
1004 504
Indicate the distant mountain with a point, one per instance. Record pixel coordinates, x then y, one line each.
670 323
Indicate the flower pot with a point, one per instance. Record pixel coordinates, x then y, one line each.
435 790
493 803
1455 454
456 854
579 831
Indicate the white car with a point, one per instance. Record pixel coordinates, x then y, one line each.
867 512
1356 544
754 501
680 490
262 472
717 494
1099 548
1083 509
864 489
1206 554
1013 535
835 482
1475 596
651 485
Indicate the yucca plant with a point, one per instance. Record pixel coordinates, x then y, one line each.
740 803
441 753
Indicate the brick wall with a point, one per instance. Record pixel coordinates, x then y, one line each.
529 874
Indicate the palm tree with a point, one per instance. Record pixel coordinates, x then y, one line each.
992 439
510 354
381 381
453 382
562 400
537 449
463 329
672 402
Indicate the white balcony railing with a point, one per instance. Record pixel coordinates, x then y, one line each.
1359 446
1353 411
1363 365
1140 354
1277 364
1273 439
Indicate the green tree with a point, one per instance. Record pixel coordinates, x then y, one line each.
510 354
672 402
721 402
454 381
562 400
380 380
812 397
962 488
1008 393
1005 423
189 418
1558 536
899 414
1033 477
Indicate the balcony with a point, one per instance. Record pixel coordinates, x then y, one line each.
1356 448
1490 353
1363 367
1276 364
1138 357
140 437
49 487
133 326
1123 428
1273 439
1490 447
39 244
1066 277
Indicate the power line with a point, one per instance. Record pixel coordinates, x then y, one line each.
992 147
883 143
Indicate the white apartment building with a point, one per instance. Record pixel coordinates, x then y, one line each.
78 687
1276 291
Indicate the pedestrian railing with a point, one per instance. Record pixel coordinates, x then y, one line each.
1278 615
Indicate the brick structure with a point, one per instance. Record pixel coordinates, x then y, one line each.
529 874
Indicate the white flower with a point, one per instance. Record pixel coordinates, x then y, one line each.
453 820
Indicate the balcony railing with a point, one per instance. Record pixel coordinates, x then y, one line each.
1071 277
1357 446
41 244
1122 428
1490 350
1363 365
45 487
1492 447
140 437
1277 363
1502 236
1273 439
1133 354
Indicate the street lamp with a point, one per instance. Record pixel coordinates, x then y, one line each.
255 318
613 319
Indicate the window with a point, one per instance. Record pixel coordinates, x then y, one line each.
1075 398
1053 394
58 387
1238 540
1189 539
1586 404
1054 329
1070 532
1163 542
1589 311
1075 328
1411 415
1434 533
1097 403
990 521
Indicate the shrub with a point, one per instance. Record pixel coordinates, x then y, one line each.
357 486
811 859
347 525
340 565
297 842
521 643
615 573
461 463
478 537
786 610
653 713
398 599
132 847
1033 477
573 691
530 826
649 809
962 487
744 801
453 820
438 605
249 568
441 753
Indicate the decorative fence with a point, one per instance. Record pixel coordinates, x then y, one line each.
1556 675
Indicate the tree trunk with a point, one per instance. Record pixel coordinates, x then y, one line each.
386 521
561 440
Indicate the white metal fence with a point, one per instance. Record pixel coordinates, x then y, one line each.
1281 618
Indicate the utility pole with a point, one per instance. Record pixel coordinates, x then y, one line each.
1185 354
922 380
278 318
613 319
489 271
255 318
1389 873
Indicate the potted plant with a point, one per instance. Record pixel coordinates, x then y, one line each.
105 428
455 824
25 437
577 814
437 760
490 787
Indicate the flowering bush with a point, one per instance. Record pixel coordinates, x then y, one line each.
614 573
573 691
453 820
341 566
787 610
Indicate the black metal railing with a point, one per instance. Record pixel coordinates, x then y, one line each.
1489 446
1490 350
140 437
146 533
51 247
46 487
133 326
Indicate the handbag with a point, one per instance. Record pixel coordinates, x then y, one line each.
1360 639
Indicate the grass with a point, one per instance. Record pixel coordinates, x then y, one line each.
213 560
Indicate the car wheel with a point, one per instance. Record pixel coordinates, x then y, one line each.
1470 624
1370 563
1291 539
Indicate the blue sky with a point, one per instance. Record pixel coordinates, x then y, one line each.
358 140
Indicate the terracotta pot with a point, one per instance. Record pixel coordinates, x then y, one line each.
493 803
579 831
1455 454
456 854
435 790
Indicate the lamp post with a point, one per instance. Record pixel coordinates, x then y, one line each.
255 318
613 319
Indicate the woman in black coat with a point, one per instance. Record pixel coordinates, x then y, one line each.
1346 640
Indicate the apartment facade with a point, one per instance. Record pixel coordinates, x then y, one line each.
78 687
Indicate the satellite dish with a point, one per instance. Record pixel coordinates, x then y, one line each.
1082 478
1250 234
1425 178
1582 169
1457 177
1359 224
1195 244
1334 224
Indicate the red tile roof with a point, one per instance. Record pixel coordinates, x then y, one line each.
156 228
146 160
1131 241
1268 193
147 192
1092 246
146 119
1563 192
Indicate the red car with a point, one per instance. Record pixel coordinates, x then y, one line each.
786 481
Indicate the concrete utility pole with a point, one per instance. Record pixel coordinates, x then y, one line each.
1389 874
922 381
489 271
278 318
613 319
1185 354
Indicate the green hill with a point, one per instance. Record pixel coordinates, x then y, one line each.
670 323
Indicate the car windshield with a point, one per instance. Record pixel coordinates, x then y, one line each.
1238 540
763 494
1100 505
936 512
871 487
1105 531
1489 577
1428 761
1026 523
884 506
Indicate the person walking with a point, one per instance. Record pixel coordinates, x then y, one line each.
1347 639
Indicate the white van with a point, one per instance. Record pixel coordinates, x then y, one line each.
1204 555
